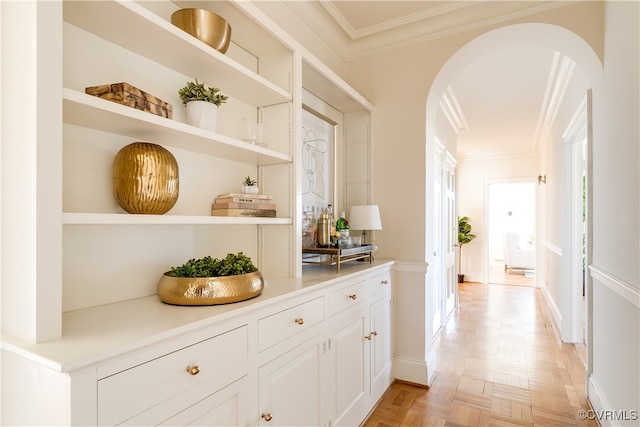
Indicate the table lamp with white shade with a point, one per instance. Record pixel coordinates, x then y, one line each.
365 218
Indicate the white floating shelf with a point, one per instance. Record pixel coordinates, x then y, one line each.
135 28
76 218
92 112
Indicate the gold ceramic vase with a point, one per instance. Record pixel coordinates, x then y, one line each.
204 25
145 179
209 290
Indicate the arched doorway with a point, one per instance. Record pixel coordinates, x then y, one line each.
571 46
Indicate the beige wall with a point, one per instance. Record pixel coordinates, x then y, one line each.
616 187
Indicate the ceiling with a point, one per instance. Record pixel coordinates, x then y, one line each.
498 101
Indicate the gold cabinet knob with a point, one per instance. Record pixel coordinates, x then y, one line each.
384 282
267 417
374 333
353 296
368 337
193 370
299 320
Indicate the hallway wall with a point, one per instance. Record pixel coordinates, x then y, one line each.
615 265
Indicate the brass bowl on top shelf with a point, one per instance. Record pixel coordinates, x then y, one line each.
204 25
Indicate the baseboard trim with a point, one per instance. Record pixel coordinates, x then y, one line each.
414 371
552 309
597 400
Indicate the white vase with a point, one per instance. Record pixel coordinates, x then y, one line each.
250 189
202 114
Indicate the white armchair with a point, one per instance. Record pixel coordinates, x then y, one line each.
517 255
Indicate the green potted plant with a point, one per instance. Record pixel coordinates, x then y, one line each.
464 237
209 281
202 104
250 186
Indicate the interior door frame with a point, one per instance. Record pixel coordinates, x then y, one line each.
577 312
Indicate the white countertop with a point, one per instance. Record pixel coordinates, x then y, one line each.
98 333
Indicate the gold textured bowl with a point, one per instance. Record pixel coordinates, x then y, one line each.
206 26
209 290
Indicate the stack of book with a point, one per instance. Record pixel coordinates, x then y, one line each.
253 205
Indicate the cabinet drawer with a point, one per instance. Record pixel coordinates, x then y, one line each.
222 358
379 283
347 297
280 326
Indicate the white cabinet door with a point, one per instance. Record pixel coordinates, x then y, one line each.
290 387
349 362
228 407
225 407
381 355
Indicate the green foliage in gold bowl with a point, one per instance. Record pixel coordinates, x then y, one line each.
231 265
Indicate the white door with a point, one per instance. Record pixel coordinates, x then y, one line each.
451 218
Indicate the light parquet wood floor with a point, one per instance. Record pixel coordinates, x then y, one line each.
499 363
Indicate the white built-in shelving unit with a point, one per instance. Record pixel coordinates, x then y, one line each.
98 254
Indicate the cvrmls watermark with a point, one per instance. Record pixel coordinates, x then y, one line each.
608 415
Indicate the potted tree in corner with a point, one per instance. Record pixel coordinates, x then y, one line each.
464 237
202 104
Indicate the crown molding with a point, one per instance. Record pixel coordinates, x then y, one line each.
476 15
452 110
562 68
393 23
577 128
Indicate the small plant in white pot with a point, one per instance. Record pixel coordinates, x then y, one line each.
202 104
250 186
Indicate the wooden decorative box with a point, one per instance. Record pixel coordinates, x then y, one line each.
125 94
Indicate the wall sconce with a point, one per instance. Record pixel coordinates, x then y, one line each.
542 179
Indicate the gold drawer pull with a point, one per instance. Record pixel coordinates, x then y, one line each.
193 370
353 296
299 321
267 417
384 282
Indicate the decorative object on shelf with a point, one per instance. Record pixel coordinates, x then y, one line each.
244 205
365 218
125 94
337 256
261 134
464 237
249 130
249 186
145 178
206 26
342 231
202 104
323 230
209 281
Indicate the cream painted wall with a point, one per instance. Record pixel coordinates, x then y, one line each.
616 189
